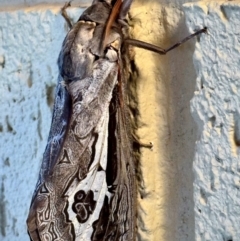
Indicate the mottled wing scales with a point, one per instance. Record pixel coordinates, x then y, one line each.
75 199
94 185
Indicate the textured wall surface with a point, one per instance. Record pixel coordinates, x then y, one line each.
30 40
13 4
165 88
216 109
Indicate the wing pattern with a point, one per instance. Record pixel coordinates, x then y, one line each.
86 187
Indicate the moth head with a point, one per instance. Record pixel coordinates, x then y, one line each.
108 35
112 45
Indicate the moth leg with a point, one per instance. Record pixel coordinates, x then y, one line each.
159 50
124 11
203 30
141 144
65 15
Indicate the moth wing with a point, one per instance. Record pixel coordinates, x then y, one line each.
118 214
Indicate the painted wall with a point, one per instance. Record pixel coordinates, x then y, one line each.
215 107
30 40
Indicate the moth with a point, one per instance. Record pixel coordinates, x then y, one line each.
87 184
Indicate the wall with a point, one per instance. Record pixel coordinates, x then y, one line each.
166 85
215 108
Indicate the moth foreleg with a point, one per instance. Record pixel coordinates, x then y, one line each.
159 50
65 15
203 30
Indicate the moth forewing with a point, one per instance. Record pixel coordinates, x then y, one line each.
72 190
94 182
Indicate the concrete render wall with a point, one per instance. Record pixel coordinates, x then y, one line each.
191 161
216 108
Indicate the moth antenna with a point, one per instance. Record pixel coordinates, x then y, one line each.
124 11
111 19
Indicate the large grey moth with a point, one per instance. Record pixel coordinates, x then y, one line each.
87 186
